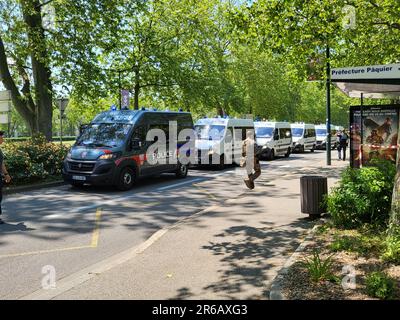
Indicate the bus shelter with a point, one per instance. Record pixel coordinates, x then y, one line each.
374 128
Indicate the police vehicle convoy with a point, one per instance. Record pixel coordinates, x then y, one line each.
274 139
112 149
219 140
303 136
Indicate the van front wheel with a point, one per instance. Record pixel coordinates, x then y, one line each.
126 179
287 154
271 155
181 171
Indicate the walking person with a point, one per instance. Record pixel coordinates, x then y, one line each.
5 177
250 160
343 143
338 146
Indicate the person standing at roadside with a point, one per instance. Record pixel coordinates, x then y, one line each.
338 146
5 177
343 143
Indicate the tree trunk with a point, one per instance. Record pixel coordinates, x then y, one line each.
24 106
40 66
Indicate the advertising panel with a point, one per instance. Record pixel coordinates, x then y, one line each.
376 136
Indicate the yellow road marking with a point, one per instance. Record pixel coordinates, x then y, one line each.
96 231
42 251
93 244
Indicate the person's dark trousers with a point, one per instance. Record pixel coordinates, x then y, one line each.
339 151
344 153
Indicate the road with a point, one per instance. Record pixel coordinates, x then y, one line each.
71 229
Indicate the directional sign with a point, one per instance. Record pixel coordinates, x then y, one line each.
380 72
5 95
5 106
4 118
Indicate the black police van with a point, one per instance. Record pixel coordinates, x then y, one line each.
112 149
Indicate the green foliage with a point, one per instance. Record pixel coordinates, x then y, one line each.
320 269
391 251
379 285
34 159
301 30
363 244
363 196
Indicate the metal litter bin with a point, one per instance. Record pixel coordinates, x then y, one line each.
312 191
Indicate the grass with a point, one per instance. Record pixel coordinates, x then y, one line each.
320 269
66 142
362 242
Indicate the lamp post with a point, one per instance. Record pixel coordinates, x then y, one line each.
328 108
62 104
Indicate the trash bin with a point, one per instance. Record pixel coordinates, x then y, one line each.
312 191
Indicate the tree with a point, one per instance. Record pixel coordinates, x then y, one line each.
24 63
149 44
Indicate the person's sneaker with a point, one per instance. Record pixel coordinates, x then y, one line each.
1 221
249 184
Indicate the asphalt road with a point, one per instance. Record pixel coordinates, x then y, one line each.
70 229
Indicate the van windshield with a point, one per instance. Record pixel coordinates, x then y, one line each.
320 132
297 132
210 132
264 132
104 135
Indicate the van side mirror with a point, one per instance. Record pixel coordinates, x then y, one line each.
276 137
136 144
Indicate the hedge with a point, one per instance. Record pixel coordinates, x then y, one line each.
33 160
55 138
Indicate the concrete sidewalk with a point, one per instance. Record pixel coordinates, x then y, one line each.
232 250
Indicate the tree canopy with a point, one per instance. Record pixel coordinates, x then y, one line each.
208 57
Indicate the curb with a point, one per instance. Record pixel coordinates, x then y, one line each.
276 288
12 190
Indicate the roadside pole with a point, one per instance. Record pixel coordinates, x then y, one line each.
328 107
62 103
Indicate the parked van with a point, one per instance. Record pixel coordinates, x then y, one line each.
216 136
321 133
275 138
112 149
304 137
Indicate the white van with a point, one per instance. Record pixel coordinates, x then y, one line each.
303 137
321 133
216 136
275 138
